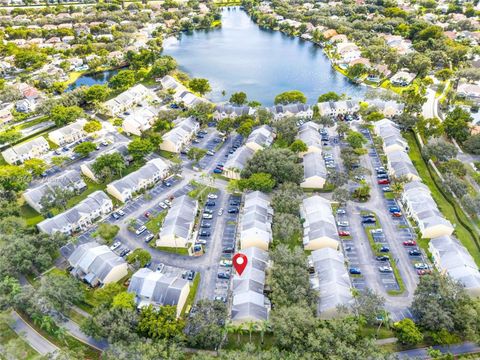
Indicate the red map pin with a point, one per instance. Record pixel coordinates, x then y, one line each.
240 262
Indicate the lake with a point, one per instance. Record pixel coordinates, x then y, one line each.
240 56
99 78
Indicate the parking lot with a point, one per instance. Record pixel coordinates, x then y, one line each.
228 248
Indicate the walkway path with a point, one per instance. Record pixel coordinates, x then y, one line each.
34 339
74 329
465 348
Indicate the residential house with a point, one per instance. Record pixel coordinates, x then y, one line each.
6 113
402 78
319 227
332 282
68 134
80 217
310 135
391 136
224 111
158 289
128 99
181 93
314 171
469 91
298 110
180 135
452 258
25 105
25 151
260 138
249 304
335 108
97 265
237 161
149 174
256 221
389 108
421 207
178 225
400 165
68 180
139 119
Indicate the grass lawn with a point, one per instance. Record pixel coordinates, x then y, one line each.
91 187
170 156
371 332
179 251
156 222
201 191
22 348
450 210
191 295
28 124
31 216
389 195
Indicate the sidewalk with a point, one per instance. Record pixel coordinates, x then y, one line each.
35 340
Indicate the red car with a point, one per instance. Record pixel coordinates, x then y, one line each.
383 182
344 233
397 214
410 243
147 214
424 272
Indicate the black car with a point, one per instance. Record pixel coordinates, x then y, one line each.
382 258
190 275
223 276
384 249
228 250
365 216
205 233
369 221
233 210
382 176
210 203
414 252
205 225
234 203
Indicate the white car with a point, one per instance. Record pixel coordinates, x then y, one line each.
140 230
168 202
421 266
201 241
212 196
163 205
376 231
160 267
385 269
115 245
207 216
341 211
121 213
342 223
220 212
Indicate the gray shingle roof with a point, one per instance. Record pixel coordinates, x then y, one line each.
180 217
313 165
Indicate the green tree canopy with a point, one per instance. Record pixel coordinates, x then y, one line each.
92 126
107 232
407 332
35 166
289 97
238 98
456 124
201 86
258 181
85 148
140 257
139 148
123 80
329 96
107 166
63 115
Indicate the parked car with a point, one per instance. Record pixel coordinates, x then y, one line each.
386 189
420 266
220 212
385 269
424 272
115 245
190 275
382 176
410 243
147 214
205 224
124 252
228 250
168 203
226 263
140 230
115 216
342 223
205 233
220 298
210 153
207 216
383 258
344 233
233 210
414 252
201 241
149 238
369 221
385 249
217 171
160 267
121 212
383 182
341 211
376 231
212 196
210 203
234 203
355 271
394 209
207 211
223 276
397 214
163 205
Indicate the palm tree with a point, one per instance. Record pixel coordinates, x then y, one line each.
231 328
251 326
264 326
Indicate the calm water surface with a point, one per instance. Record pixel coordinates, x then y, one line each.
93 79
241 56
